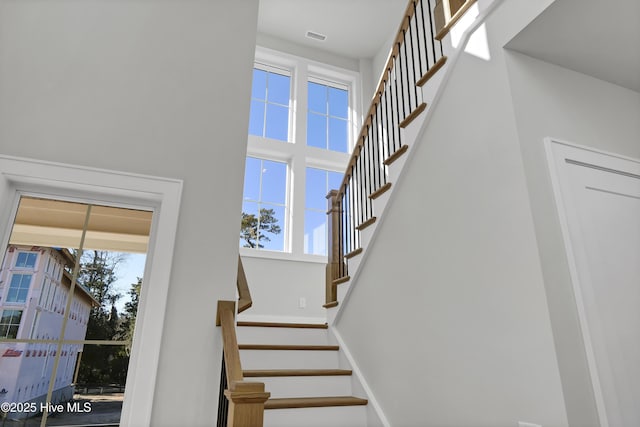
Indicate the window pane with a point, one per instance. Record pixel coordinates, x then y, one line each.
249 225
252 179
19 287
259 86
9 323
315 233
26 260
316 189
335 179
274 182
338 135
338 103
272 220
256 118
278 88
316 130
277 122
317 98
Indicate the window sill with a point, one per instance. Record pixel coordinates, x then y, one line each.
283 256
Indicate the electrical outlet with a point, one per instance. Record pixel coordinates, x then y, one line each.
302 302
523 424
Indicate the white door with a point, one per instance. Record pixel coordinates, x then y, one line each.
599 200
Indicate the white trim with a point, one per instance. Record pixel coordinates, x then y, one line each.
360 377
558 153
18 175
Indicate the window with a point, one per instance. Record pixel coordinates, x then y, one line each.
270 94
265 204
9 323
19 288
318 184
284 202
327 117
26 260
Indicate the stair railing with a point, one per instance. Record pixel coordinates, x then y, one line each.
416 56
241 403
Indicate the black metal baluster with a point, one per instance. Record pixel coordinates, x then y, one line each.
223 403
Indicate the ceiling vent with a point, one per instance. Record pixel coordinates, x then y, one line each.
316 36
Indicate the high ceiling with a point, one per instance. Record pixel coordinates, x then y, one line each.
595 37
354 28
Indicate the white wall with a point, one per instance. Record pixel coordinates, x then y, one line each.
452 290
550 101
277 286
151 87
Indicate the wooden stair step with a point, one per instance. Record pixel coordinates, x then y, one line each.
414 114
380 191
396 155
296 372
313 402
284 325
303 347
432 71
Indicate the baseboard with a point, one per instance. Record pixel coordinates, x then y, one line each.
357 374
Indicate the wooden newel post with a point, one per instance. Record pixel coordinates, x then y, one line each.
246 404
333 245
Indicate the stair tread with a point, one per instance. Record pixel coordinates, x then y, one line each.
284 325
287 347
295 372
313 402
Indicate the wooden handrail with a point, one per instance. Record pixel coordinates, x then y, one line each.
415 57
246 399
244 295
408 14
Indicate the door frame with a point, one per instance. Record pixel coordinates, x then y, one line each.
160 195
560 153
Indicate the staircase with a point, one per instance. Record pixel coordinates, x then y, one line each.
302 369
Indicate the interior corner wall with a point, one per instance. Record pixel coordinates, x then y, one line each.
276 294
550 101
451 294
149 87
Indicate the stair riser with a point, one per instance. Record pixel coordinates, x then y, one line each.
288 359
337 416
261 335
306 386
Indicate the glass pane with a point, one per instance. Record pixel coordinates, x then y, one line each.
274 182
272 223
317 98
315 233
335 179
278 88
252 179
277 122
249 225
316 189
316 130
338 135
50 223
338 103
259 86
256 118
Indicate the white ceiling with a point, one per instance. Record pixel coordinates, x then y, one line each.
354 28
595 37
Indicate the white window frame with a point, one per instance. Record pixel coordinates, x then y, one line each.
296 153
21 310
17 255
20 176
